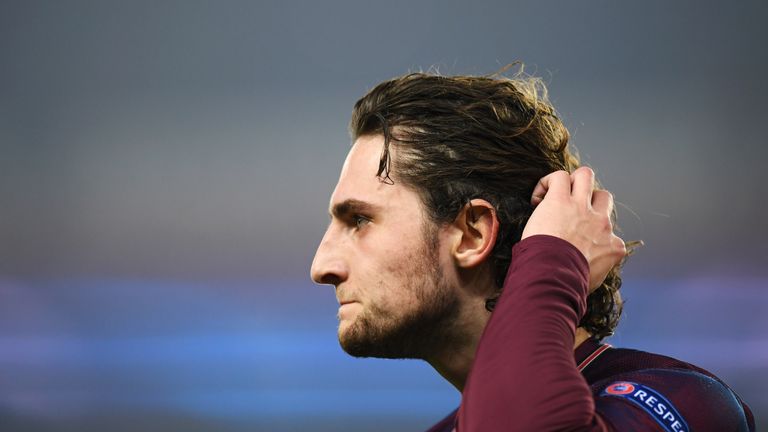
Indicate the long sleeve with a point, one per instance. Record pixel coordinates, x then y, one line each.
524 376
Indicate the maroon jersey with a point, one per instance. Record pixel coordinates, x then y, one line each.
524 377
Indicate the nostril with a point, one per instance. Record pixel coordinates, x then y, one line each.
325 274
330 279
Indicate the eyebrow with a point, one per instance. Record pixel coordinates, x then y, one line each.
350 206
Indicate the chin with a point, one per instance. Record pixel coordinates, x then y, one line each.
343 330
365 337
354 347
356 338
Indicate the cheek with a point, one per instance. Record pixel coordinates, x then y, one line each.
396 266
402 288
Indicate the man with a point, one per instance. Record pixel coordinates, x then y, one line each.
464 233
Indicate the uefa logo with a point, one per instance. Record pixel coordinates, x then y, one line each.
620 388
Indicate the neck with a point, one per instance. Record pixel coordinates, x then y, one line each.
455 361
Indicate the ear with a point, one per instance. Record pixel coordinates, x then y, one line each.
475 229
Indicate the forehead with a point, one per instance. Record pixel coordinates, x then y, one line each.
358 179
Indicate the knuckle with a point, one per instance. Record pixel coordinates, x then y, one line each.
620 248
585 170
603 195
605 222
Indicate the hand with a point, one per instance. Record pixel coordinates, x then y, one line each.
568 207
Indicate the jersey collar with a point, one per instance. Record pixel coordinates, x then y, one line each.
588 351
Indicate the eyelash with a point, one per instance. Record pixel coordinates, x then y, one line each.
358 221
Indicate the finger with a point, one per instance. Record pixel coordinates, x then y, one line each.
556 183
583 185
540 191
602 201
619 248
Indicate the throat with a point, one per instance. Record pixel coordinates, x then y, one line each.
454 360
454 367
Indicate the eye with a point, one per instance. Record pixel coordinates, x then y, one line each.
360 221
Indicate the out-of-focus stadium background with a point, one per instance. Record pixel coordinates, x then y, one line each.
165 169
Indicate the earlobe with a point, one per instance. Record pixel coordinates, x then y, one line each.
478 227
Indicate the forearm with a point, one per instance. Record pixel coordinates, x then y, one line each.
524 375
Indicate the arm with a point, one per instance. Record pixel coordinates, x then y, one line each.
524 376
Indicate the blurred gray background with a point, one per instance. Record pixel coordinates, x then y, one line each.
165 169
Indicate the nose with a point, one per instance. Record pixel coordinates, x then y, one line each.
329 266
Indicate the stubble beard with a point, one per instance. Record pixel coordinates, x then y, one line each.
418 334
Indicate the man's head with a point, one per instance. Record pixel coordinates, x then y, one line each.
457 149
382 255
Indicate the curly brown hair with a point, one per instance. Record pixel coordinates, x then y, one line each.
465 137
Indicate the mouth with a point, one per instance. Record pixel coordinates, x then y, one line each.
347 309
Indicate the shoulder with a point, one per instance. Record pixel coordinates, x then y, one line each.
635 389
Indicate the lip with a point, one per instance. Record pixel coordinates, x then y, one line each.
346 310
